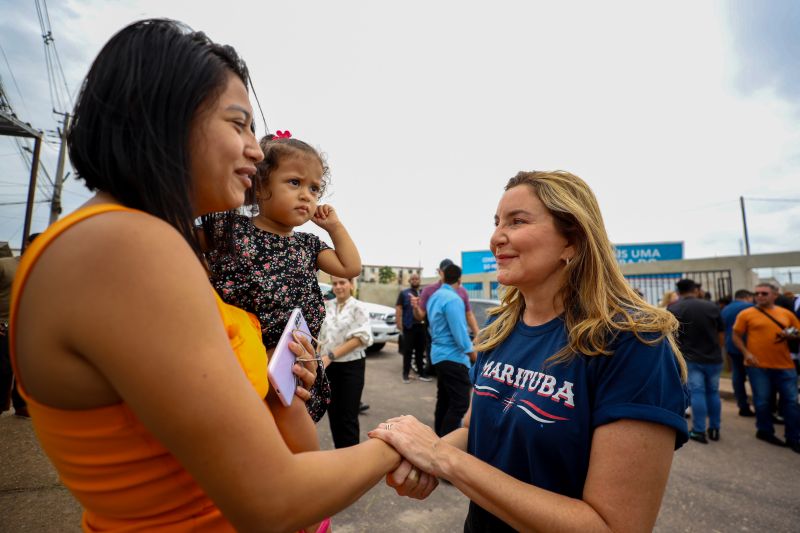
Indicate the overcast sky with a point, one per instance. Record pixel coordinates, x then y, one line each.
425 109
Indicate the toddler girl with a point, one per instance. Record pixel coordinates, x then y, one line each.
260 264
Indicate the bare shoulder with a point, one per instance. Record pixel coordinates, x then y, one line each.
123 232
111 257
106 283
116 246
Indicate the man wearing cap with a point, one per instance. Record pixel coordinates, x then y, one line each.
421 303
419 306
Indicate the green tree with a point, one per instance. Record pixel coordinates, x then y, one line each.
386 275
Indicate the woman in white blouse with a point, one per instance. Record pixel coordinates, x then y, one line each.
345 335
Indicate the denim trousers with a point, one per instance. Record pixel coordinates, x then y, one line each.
704 391
764 381
738 377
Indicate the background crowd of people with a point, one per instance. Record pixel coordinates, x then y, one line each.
140 341
760 339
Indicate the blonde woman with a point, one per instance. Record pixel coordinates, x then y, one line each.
578 392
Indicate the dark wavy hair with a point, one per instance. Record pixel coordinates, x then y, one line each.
130 132
218 227
277 149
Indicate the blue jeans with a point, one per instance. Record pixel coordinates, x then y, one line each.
704 390
763 381
738 377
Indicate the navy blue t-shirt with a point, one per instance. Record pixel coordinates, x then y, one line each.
534 420
404 299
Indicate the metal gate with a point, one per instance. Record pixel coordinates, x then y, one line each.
654 286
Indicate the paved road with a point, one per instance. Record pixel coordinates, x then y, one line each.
737 484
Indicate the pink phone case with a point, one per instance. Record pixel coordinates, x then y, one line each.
280 364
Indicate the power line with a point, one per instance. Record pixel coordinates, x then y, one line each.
705 206
258 102
55 51
20 227
85 196
16 218
23 203
792 200
52 61
14 80
28 162
23 148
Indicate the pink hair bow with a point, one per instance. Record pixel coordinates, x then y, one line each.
283 134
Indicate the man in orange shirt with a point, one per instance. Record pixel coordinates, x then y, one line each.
769 364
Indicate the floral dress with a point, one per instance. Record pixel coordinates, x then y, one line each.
269 275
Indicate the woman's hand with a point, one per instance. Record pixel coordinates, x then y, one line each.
408 481
306 366
414 440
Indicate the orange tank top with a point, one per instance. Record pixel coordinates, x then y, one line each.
123 477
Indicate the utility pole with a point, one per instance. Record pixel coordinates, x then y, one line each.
744 221
55 204
26 228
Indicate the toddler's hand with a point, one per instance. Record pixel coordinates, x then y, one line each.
325 216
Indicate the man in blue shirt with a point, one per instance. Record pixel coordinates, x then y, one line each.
452 353
743 300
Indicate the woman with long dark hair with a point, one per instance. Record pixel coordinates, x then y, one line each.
145 390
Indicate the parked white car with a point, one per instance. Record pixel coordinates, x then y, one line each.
480 306
382 321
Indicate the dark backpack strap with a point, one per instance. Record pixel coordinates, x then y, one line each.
771 318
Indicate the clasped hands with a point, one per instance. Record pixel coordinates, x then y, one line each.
417 444
413 440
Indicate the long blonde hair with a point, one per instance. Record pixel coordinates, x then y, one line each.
598 303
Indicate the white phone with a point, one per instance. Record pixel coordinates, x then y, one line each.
282 360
